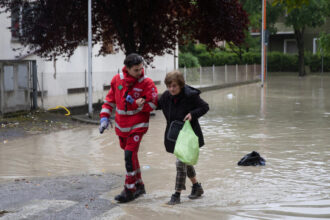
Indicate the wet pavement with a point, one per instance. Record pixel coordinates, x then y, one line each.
22 124
287 122
69 197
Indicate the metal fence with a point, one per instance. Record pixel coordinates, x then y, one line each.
70 89
219 75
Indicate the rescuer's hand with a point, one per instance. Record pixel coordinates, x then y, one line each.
104 124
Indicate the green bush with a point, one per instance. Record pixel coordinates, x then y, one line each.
188 60
276 61
219 58
279 62
231 58
290 63
206 59
315 62
251 58
199 49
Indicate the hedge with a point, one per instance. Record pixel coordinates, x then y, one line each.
188 60
315 63
276 61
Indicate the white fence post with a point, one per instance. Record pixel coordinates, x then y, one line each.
185 73
236 72
86 89
246 72
200 76
213 74
42 90
226 74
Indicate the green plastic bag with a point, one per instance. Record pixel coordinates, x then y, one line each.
187 145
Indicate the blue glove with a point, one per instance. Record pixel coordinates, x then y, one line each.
104 124
129 99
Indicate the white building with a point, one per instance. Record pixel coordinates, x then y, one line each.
64 82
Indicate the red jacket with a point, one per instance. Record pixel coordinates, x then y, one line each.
133 119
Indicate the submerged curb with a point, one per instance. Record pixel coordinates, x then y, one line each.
85 119
215 87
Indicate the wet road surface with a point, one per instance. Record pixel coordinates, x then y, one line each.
287 122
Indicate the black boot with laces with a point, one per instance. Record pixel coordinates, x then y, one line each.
125 196
175 199
196 191
140 190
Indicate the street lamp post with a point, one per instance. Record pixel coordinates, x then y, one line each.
90 52
263 46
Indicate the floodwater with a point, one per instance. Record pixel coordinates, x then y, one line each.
287 122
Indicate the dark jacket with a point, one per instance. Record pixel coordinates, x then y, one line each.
177 107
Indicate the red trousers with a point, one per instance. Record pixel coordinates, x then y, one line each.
131 145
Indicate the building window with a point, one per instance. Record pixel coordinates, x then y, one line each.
315 45
19 14
15 23
290 46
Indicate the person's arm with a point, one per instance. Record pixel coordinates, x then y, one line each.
160 102
201 108
151 96
109 102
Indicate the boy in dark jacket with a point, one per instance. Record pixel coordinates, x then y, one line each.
180 103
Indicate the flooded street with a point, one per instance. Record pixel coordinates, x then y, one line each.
287 122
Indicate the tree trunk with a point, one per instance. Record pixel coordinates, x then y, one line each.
299 34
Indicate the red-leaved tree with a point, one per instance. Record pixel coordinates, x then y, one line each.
53 28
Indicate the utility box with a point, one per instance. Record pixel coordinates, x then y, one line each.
15 86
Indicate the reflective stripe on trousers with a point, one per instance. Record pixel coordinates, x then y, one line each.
133 185
133 173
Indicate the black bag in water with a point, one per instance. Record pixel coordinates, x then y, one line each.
173 131
252 159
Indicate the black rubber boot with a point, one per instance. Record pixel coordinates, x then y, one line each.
175 199
140 190
125 196
196 191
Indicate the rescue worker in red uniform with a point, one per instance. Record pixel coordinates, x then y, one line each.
133 96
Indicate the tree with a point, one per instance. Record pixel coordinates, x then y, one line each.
312 14
291 4
54 28
324 43
253 9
